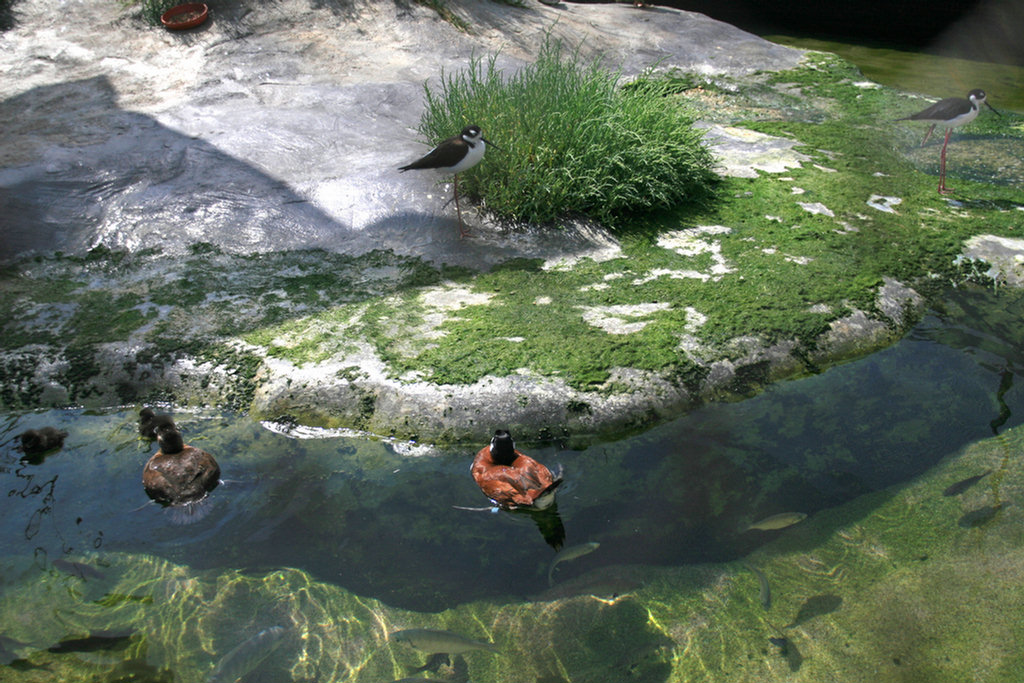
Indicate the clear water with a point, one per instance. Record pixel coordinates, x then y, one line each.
930 74
378 518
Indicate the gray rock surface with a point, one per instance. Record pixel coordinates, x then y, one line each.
281 126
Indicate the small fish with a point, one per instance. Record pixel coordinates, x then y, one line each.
570 553
79 569
94 642
779 521
440 641
976 518
766 591
600 586
247 655
964 484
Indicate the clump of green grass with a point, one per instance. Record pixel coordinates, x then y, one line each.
572 141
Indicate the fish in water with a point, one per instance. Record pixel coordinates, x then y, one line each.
94 642
150 421
79 569
766 591
779 521
247 655
979 517
570 553
964 484
432 641
37 441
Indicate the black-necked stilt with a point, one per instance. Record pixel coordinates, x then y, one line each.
456 154
950 112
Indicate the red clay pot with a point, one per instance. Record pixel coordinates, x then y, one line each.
185 16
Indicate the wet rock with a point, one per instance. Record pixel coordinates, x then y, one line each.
1003 255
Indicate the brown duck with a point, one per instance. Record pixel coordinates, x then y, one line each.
512 479
179 474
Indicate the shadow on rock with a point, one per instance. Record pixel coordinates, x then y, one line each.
77 172
789 651
80 172
815 606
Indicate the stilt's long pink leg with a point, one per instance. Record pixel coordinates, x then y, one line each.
458 210
928 134
942 166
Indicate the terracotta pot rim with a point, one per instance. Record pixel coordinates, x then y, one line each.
170 20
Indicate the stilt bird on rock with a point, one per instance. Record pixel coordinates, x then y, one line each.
455 155
950 112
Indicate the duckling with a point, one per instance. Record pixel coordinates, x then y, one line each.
36 441
512 479
179 474
149 421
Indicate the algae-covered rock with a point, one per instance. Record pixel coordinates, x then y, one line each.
217 219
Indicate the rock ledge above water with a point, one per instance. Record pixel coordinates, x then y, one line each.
215 217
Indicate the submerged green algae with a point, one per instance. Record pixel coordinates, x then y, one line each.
886 588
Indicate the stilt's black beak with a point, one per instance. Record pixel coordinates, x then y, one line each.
491 144
986 104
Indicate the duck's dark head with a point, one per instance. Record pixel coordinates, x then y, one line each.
170 439
31 440
503 448
149 421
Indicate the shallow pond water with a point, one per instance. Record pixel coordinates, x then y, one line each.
936 75
382 519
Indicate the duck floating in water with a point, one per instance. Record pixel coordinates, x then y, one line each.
36 442
150 421
511 479
179 474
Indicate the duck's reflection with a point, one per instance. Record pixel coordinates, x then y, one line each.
548 522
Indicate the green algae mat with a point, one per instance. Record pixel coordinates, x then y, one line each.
920 582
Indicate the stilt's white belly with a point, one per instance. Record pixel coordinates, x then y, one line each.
472 158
